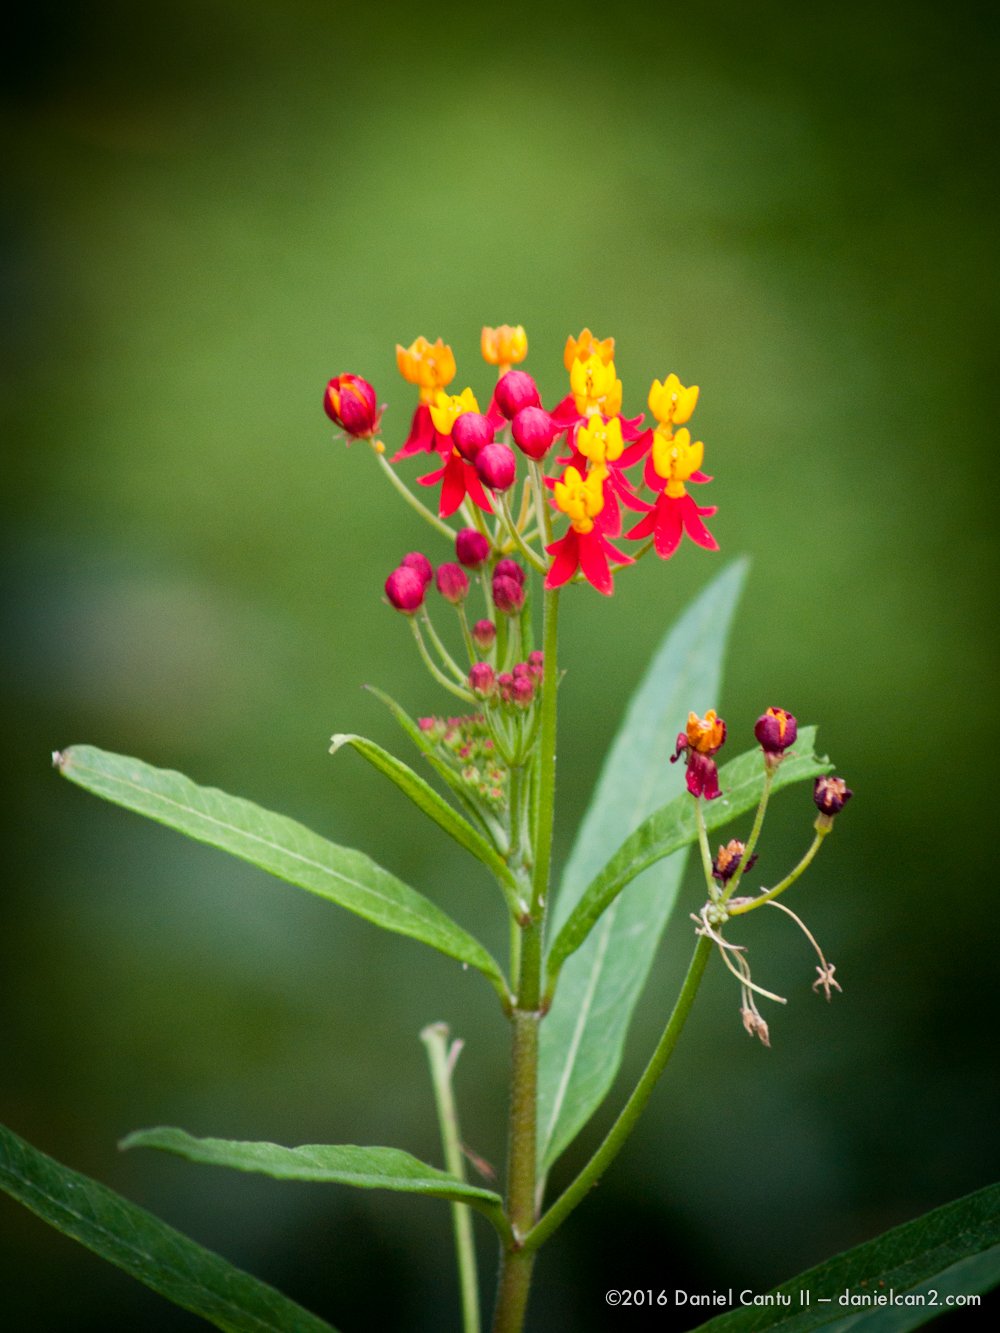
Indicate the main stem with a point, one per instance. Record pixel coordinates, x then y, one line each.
522 1154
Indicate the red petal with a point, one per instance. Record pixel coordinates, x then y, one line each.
474 488
565 413
700 476
645 525
594 562
669 525
421 436
630 456
632 427
566 558
694 527
453 486
615 554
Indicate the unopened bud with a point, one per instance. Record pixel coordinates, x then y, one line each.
726 864
471 547
405 589
505 684
522 691
482 679
508 594
470 433
350 402
484 634
536 663
776 731
452 583
496 466
515 391
510 569
534 431
418 562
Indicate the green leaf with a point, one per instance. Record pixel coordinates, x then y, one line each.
338 1164
444 815
583 1036
154 1253
672 827
953 1251
278 845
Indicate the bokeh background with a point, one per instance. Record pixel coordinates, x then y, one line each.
216 206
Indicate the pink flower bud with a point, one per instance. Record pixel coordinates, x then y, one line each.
509 569
496 466
534 431
350 403
505 684
484 633
536 663
471 548
508 594
522 691
419 564
470 433
482 680
452 583
515 391
405 589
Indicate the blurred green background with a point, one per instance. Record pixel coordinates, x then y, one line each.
216 206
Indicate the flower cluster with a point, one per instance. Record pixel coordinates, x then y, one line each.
581 462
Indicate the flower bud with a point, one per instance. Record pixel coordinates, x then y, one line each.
515 391
536 664
776 731
405 589
505 685
509 569
470 433
484 634
482 680
508 594
419 563
350 403
504 345
534 431
496 466
471 548
830 795
452 583
522 691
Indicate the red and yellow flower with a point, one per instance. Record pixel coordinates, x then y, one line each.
585 547
504 346
431 367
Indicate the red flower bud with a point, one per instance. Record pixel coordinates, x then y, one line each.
776 731
470 433
484 633
534 431
496 466
505 684
536 663
508 594
471 548
482 680
509 569
452 583
515 391
350 403
419 563
405 589
522 691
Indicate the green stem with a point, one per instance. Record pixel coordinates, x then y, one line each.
740 909
545 807
412 500
633 1108
442 1062
758 824
510 527
706 854
516 1262
433 667
442 651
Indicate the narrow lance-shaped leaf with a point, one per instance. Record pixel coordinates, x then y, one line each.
338 1164
146 1248
445 816
673 827
583 1036
900 1280
278 845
